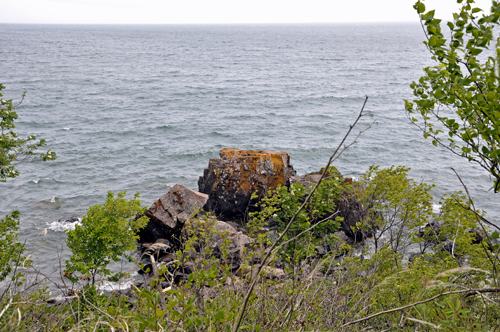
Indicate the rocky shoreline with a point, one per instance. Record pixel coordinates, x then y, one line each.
230 188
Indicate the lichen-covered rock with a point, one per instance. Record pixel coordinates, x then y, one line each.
168 214
231 180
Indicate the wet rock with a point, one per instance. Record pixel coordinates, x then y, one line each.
231 180
168 215
69 219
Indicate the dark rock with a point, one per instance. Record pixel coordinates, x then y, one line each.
352 211
168 215
231 180
448 247
182 272
167 258
69 219
146 269
479 235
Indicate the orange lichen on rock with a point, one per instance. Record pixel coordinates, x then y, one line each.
231 180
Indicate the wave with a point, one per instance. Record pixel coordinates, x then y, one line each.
63 225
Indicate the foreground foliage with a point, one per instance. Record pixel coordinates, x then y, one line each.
106 234
457 99
418 277
13 148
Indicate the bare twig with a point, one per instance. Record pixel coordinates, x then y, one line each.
158 283
338 151
469 292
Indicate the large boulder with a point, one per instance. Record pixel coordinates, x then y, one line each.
231 180
168 214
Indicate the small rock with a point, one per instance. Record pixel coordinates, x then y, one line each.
271 273
69 219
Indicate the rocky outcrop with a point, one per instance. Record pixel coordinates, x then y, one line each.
231 180
168 214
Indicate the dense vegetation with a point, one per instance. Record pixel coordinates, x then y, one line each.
416 268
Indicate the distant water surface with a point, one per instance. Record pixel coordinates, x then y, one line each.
140 108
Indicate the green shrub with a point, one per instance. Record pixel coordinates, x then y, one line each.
107 232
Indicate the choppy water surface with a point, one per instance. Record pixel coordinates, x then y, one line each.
140 108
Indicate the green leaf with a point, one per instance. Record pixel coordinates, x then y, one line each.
191 300
419 6
433 40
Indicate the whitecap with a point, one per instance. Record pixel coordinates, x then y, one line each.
66 128
109 286
436 208
61 226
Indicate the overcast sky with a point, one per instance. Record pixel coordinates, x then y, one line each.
218 11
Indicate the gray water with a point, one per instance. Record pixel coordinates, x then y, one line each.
141 108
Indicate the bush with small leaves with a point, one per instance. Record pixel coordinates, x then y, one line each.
106 234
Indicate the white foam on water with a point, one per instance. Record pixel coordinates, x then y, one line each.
61 226
436 208
38 180
66 128
109 286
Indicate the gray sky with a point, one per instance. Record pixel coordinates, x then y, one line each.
218 11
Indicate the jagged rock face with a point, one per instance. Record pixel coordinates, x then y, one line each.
168 214
231 180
